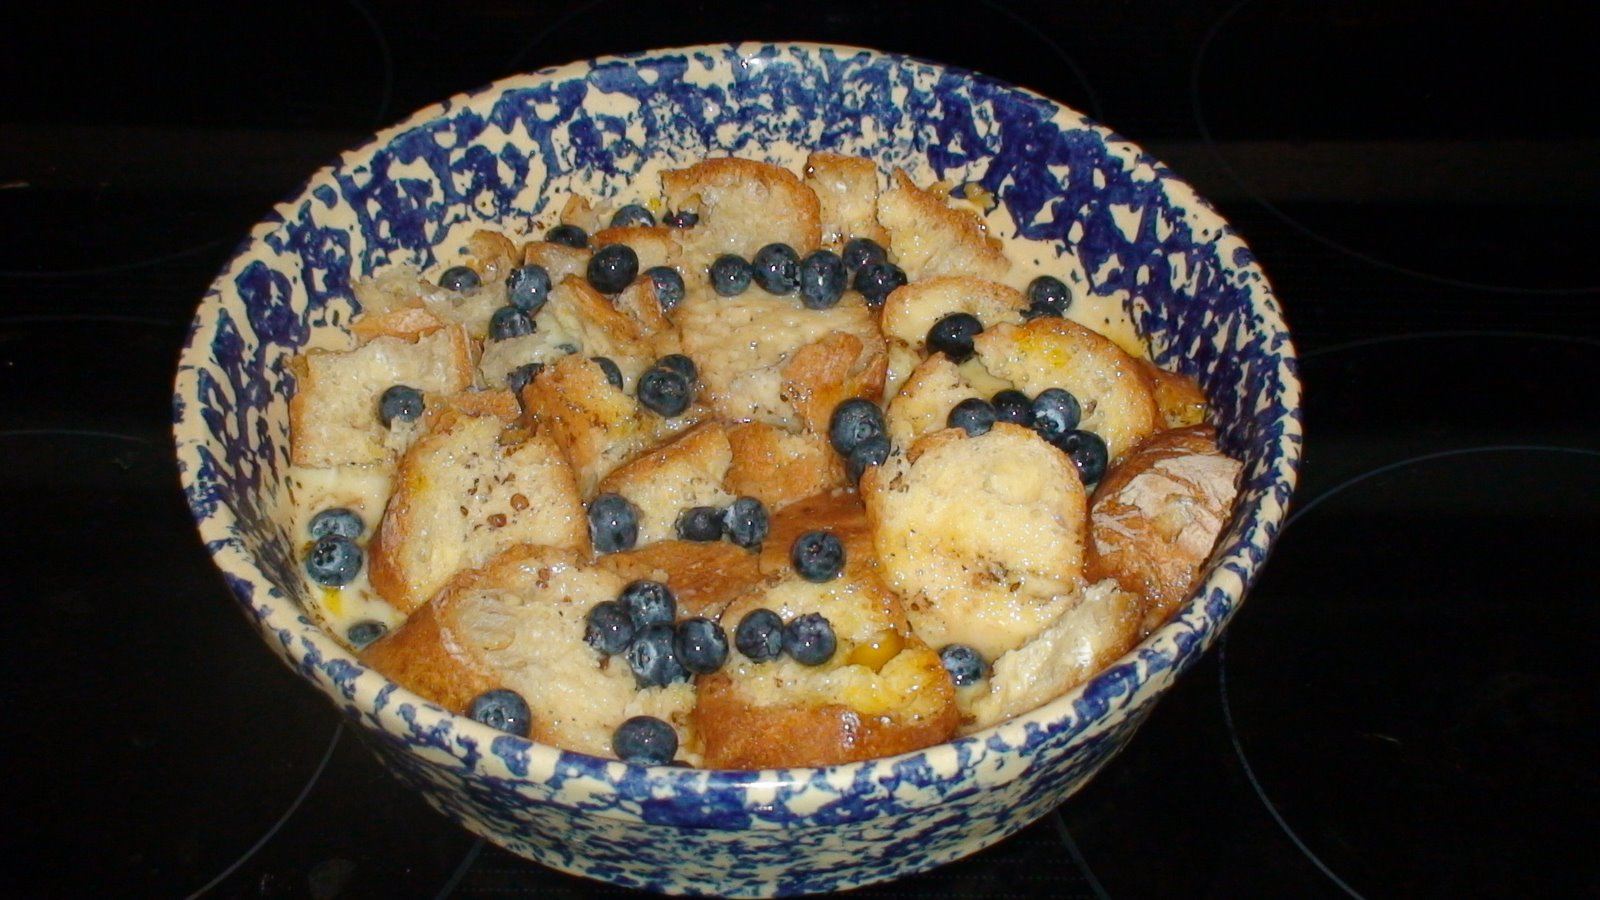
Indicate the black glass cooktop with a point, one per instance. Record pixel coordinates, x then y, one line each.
1405 706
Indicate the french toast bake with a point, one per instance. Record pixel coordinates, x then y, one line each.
797 463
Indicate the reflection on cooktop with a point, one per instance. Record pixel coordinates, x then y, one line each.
1428 728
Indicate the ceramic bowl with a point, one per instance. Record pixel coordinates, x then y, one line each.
1151 249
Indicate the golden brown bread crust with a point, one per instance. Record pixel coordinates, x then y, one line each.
493 254
704 576
847 191
518 623
419 657
738 735
333 415
408 323
666 479
1179 400
743 205
883 692
654 245
911 310
596 425
1156 516
778 467
929 237
466 490
559 260
1111 385
827 372
981 537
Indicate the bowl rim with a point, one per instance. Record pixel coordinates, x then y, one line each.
303 645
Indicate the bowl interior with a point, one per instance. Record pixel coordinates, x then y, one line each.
505 155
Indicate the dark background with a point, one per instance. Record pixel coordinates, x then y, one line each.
1406 706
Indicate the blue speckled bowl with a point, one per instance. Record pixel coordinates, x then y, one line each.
1158 252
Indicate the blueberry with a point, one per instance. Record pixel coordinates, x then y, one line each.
746 522
503 709
568 235
653 658
613 523
809 639
730 275
365 632
612 373
528 287
963 663
338 520
1088 452
668 284
459 279
870 452
822 279
1047 296
682 218
645 740
1011 405
681 364
608 627
399 402
853 421
776 269
1055 412
973 415
648 603
699 523
633 215
953 334
509 322
759 635
612 268
862 252
818 556
701 645
522 376
664 391
876 281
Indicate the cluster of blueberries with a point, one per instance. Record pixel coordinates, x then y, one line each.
335 558
614 523
820 278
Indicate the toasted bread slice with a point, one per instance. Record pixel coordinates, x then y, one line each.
518 623
847 192
982 537
559 260
333 415
822 374
743 205
913 309
1157 515
664 481
883 692
1179 400
597 326
464 492
1101 625
705 577
922 405
597 426
743 345
1111 386
654 245
928 237
778 466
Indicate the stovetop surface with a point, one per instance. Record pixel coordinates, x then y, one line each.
1404 707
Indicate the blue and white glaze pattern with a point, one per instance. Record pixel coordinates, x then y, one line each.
501 154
